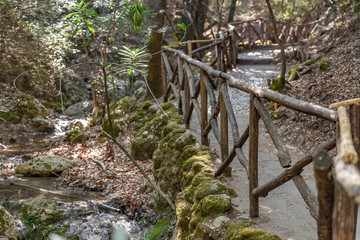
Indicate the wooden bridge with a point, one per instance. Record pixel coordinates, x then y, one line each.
193 94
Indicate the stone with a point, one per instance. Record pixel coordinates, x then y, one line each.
8 227
184 140
214 204
212 188
77 125
43 125
80 108
219 220
46 165
139 93
139 84
78 136
142 148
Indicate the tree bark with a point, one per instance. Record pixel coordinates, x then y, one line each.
232 11
281 45
154 47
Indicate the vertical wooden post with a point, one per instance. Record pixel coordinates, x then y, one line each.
163 75
187 89
204 118
180 84
345 209
253 156
355 129
224 144
325 185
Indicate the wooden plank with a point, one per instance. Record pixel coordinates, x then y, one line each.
173 77
206 47
242 159
283 154
307 195
167 64
289 173
187 102
325 186
345 103
190 79
224 146
181 109
232 154
204 109
210 91
196 105
230 112
253 157
279 98
174 89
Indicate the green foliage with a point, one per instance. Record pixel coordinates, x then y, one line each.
134 60
324 65
136 13
182 32
159 230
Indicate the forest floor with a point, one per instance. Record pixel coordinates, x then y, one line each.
339 82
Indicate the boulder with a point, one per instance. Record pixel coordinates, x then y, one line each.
8 228
42 125
46 165
78 136
80 108
140 92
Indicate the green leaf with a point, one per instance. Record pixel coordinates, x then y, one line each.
81 3
70 15
88 22
91 29
73 8
172 43
87 4
88 42
129 71
75 31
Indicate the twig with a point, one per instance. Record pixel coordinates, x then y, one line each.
100 163
152 183
3 146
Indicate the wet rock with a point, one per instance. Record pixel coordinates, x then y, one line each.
42 125
80 108
46 165
8 228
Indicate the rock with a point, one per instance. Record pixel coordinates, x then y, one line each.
8 227
46 165
78 136
46 210
77 125
138 84
139 93
219 220
214 204
42 125
184 140
142 148
79 108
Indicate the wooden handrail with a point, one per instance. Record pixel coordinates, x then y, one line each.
299 105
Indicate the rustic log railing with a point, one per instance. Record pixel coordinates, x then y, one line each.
186 88
339 191
260 31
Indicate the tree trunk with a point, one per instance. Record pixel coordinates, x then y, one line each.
281 44
154 47
232 11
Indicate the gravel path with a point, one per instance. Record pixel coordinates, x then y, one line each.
283 211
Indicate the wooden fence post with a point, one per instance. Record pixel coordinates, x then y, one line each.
325 186
204 119
224 144
253 156
345 210
187 89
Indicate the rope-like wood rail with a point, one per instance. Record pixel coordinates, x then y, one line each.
299 105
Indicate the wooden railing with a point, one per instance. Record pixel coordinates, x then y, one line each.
186 89
339 190
260 31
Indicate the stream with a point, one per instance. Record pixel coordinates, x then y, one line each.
75 206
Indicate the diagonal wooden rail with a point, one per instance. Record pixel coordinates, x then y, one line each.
191 79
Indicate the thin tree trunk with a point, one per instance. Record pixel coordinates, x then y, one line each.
232 11
281 44
154 46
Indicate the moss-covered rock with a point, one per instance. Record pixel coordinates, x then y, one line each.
45 165
142 148
42 125
8 228
214 204
77 125
159 230
212 188
78 136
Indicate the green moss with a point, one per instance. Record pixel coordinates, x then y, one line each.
214 204
143 148
330 47
78 136
212 188
276 114
159 230
323 65
127 105
167 106
253 234
311 61
188 164
276 85
294 73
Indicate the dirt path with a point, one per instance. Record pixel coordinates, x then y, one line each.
283 211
